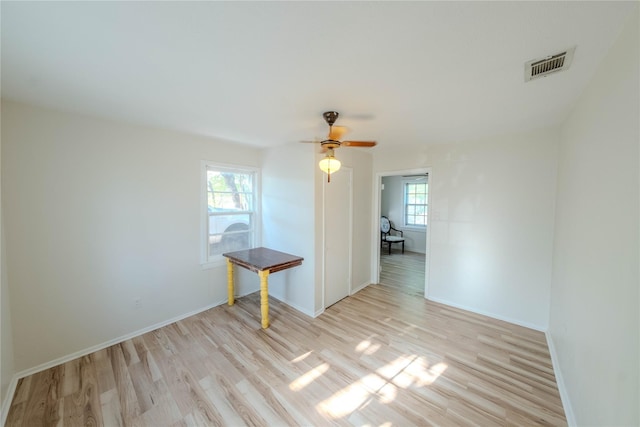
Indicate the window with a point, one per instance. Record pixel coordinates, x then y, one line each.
415 203
231 209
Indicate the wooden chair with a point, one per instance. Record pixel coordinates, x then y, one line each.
386 236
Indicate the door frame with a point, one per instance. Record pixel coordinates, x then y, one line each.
375 236
348 170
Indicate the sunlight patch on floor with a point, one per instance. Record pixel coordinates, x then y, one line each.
302 357
357 396
404 372
308 377
367 347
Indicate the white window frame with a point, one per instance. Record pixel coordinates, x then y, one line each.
404 204
218 260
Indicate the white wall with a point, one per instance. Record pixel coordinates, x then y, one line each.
391 205
292 214
491 224
288 210
97 213
7 369
6 346
100 213
594 322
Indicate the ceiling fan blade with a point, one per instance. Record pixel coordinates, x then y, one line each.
311 142
336 132
358 143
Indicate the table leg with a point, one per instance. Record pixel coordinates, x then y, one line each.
264 297
230 281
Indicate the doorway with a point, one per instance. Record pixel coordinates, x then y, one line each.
403 197
338 207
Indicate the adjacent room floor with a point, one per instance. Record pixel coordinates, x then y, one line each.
403 271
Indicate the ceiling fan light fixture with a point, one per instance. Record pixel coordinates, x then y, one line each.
329 165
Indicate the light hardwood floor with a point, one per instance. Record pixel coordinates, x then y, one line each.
404 272
382 357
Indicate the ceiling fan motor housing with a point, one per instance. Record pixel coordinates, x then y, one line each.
330 144
330 117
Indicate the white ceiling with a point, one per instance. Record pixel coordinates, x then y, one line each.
262 73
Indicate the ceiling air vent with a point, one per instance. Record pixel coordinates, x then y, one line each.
548 65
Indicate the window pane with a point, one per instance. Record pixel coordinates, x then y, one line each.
230 210
222 223
230 191
415 203
219 244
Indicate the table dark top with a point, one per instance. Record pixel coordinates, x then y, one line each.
260 259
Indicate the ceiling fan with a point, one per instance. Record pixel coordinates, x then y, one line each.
330 163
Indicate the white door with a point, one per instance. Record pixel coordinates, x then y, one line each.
337 236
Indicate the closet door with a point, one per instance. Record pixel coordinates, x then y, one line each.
337 236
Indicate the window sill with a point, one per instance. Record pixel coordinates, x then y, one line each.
414 229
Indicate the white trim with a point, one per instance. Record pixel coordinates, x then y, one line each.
359 288
222 262
256 214
427 255
98 347
404 182
296 307
204 203
415 229
8 398
562 389
375 232
489 314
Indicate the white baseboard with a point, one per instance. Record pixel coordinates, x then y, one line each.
564 396
14 381
6 404
488 314
8 398
359 288
98 347
295 306
320 311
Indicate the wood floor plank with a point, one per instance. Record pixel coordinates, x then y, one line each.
87 399
126 392
111 411
384 356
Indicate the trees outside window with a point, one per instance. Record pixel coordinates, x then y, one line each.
231 209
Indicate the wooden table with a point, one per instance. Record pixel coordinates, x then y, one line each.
262 261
